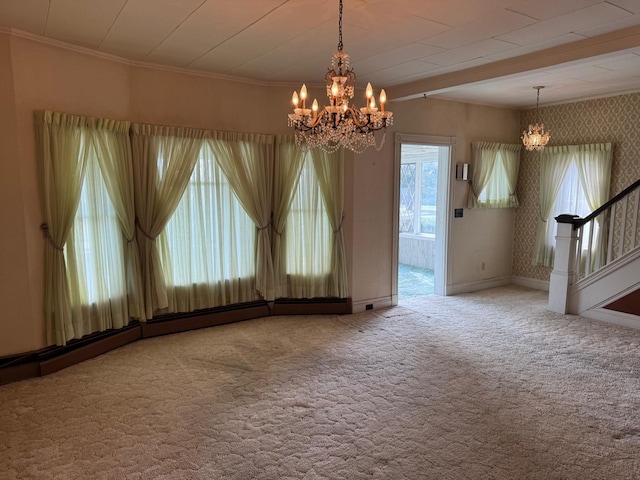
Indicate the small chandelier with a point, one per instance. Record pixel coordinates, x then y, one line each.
536 138
339 124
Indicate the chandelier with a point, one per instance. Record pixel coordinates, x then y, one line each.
339 124
536 138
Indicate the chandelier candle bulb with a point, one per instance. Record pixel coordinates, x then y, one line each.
295 99
303 94
314 108
383 99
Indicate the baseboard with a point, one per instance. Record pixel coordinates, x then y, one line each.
468 287
611 316
372 304
90 350
320 306
185 322
51 359
15 373
530 283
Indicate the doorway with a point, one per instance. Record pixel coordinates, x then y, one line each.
422 168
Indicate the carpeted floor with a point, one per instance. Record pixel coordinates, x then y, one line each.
488 385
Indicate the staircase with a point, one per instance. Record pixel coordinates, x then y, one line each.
597 261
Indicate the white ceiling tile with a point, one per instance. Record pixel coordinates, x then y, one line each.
549 43
453 13
28 15
612 26
632 6
489 25
390 41
209 26
548 9
71 22
587 17
144 24
622 62
414 51
470 52
398 74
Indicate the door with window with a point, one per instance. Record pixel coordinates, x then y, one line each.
421 223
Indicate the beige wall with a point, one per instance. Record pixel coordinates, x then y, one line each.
612 119
35 76
17 323
480 236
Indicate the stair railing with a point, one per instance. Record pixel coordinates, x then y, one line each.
609 232
584 245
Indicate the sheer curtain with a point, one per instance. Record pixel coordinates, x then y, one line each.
287 167
163 160
113 149
554 163
63 151
308 239
494 175
484 157
594 168
247 161
510 155
329 169
208 246
92 281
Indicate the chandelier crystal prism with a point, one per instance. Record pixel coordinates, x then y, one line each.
536 138
339 124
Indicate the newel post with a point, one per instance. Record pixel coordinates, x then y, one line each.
564 264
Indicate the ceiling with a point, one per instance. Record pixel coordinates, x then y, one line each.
481 51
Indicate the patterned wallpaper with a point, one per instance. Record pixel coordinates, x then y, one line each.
612 119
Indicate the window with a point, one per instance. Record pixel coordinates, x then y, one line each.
418 189
94 253
494 175
91 280
574 180
143 219
497 188
208 246
308 238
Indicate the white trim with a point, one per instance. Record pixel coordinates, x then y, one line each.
608 284
530 283
468 287
612 316
606 270
442 267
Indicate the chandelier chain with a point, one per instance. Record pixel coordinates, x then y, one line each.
340 28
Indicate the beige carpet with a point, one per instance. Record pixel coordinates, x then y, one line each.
487 385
